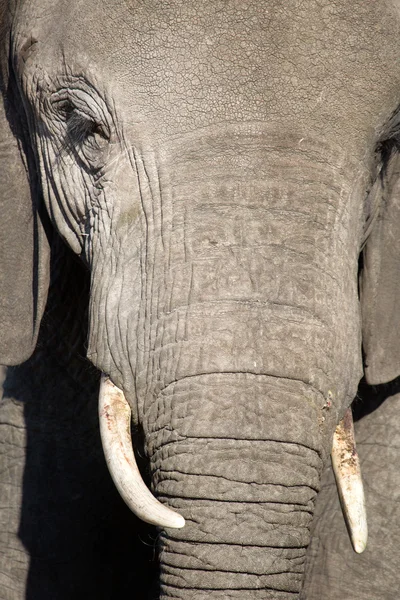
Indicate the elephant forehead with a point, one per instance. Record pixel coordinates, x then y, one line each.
187 64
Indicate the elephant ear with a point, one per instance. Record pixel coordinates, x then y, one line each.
380 280
24 249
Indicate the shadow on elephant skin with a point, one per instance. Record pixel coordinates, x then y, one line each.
80 539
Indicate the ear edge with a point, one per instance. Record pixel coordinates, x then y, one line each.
380 285
24 250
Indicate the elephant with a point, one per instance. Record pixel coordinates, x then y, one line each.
200 232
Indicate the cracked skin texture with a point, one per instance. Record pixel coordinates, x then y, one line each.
219 207
326 66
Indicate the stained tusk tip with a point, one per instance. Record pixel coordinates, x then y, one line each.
115 425
347 470
359 546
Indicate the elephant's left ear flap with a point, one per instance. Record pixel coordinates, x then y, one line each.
380 281
24 249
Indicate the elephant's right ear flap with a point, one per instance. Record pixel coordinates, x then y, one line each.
380 280
24 249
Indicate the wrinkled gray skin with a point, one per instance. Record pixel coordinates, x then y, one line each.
214 169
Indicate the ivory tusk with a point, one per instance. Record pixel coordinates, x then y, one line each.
115 430
346 467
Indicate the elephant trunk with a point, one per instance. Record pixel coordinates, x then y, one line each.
244 472
243 350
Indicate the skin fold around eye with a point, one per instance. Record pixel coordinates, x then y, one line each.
81 114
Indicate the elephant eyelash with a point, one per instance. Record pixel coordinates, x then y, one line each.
389 141
80 127
386 150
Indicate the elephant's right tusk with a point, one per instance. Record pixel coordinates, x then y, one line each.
115 430
346 466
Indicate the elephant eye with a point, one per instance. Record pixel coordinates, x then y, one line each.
82 128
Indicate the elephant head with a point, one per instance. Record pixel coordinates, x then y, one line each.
219 167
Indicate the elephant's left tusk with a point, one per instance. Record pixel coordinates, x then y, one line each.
346 466
115 430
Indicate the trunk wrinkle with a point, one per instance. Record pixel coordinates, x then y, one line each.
222 544
255 301
187 438
256 502
235 373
